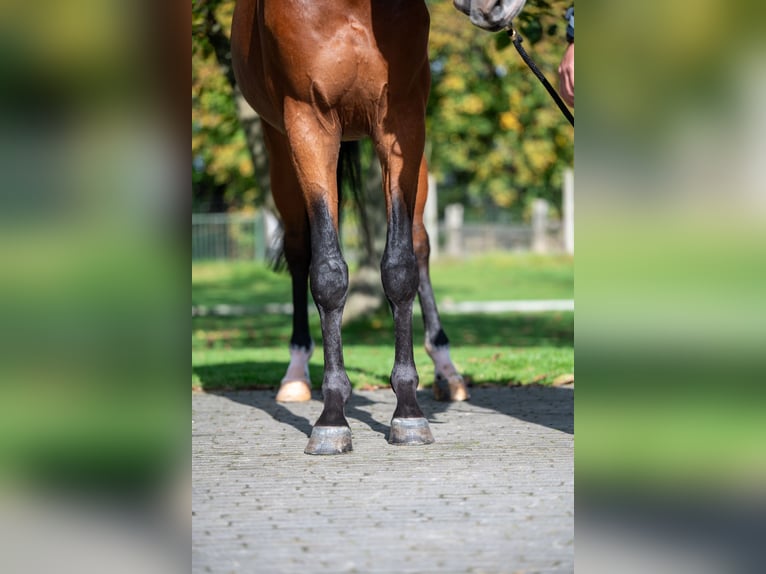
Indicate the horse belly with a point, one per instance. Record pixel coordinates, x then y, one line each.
351 85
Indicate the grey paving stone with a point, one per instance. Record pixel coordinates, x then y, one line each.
493 494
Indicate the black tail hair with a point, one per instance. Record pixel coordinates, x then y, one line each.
348 176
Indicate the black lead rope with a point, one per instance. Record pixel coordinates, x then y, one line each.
516 39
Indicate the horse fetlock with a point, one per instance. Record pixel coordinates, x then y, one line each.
450 388
336 385
407 408
300 355
404 376
440 356
404 381
332 417
436 344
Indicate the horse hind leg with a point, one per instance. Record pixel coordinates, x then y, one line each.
400 280
449 385
399 274
296 384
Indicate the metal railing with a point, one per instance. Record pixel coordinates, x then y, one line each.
228 236
218 236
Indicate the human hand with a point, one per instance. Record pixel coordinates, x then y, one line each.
566 75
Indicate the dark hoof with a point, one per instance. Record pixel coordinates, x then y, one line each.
329 440
450 389
410 432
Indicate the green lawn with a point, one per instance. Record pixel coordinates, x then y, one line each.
494 277
503 276
508 348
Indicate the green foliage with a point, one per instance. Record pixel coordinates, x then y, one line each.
496 139
222 169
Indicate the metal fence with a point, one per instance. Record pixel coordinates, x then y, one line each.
475 238
251 237
228 236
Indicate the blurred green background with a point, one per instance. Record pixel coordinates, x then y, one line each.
670 240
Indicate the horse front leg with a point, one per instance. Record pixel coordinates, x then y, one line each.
315 156
329 286
449 385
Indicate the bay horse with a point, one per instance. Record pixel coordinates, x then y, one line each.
320 73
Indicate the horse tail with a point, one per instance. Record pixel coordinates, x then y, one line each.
349 178
349 173
275 252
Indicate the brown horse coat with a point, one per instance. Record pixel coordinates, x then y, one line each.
319 72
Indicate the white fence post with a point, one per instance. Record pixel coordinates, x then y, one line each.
568 209
431 217
539 225
453 221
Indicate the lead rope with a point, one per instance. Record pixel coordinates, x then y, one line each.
516 39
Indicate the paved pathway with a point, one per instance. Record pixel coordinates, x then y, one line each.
493 494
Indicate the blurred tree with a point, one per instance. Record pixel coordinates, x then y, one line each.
229 161
496 139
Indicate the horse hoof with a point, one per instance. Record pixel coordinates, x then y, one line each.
294 392
329 440
450 389
410 432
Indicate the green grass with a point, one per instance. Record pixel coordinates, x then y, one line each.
508 348
494 277
502 276
238 283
